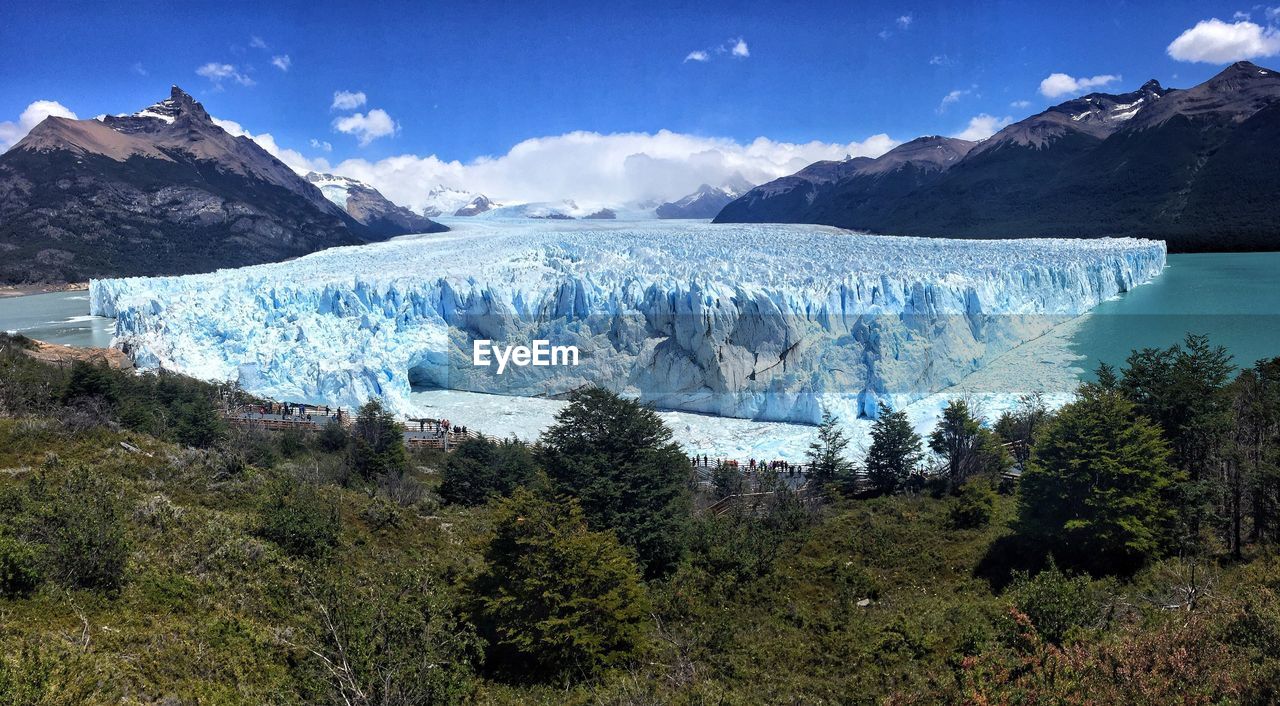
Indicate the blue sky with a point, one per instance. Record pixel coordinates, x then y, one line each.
460 81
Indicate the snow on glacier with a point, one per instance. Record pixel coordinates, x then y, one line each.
765 322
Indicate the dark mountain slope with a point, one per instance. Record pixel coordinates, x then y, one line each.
1197 168
827 190
163 191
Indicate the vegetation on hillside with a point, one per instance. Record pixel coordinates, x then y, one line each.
151 554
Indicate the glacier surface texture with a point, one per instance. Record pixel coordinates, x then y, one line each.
766 322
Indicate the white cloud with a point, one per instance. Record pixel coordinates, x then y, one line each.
736 48
596 169
885 34
282 62
139 69
257 43
217 73
1216 42
1020 104
292 158
13 131
1059 84
367 126
347 100
1241 15
941 60
953 97
321 145
982 126
905 21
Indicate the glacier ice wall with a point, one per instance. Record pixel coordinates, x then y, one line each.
767 322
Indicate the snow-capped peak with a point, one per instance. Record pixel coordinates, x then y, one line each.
445 201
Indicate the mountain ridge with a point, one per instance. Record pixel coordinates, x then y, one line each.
1155 163
161 191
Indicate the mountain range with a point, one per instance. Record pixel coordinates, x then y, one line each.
161 191
1197 168
707 201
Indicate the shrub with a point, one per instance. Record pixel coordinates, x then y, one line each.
974 506
1057 604
300 519
19 567
332 437
400 639
83 528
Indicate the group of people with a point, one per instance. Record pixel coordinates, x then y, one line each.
297 412
753 465
441 427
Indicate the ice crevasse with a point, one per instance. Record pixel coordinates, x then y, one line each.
769 322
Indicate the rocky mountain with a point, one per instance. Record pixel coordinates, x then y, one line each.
478 205
860 182
1198 168
370 208
707 201
161 191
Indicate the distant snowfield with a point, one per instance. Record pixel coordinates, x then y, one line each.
771 323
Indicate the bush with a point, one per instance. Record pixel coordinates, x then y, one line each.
974 506
83 528
401 638
19 567
1058 605
332 437
300 520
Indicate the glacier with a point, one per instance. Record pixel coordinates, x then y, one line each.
756 321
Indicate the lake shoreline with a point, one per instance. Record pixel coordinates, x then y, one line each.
8 291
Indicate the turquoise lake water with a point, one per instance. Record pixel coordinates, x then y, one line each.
1234 298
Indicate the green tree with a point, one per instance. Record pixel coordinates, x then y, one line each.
617 458
826 455
376 446
895 453
1095 492
555 599
1019 425
968 448
1252 459
1183 389
480 468
89 380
